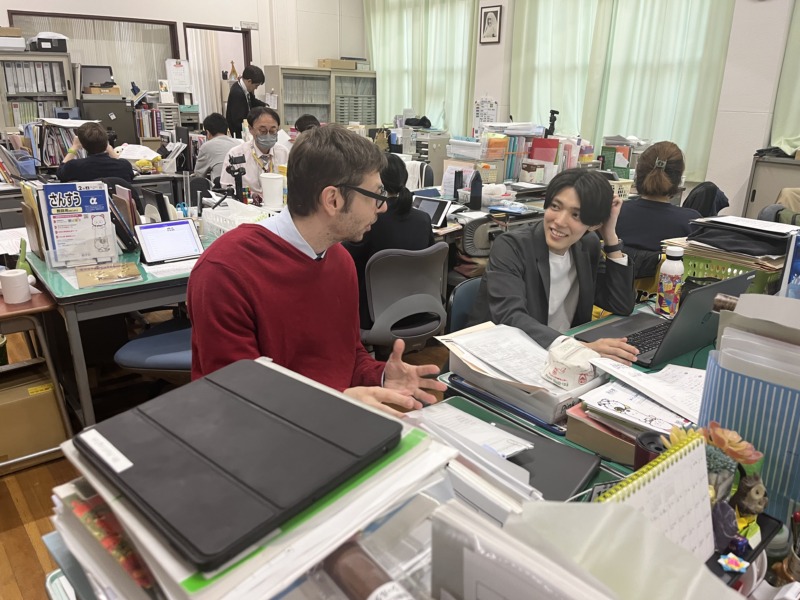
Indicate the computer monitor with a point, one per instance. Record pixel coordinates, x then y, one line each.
790 284
156 199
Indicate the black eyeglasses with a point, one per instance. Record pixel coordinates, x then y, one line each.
379 197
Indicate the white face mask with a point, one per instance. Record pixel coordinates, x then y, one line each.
266 141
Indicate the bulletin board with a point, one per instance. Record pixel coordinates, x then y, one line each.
178 75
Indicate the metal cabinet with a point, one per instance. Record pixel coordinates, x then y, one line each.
768 176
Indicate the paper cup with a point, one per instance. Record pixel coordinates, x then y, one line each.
271 190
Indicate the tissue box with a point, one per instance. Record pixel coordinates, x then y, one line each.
41 44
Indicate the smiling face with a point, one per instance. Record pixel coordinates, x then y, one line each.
562 223
356 218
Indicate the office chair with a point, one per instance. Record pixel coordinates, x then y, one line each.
162 352
707 199
460 304
197 185
405 296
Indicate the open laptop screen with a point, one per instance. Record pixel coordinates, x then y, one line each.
435 207
170 241
790 285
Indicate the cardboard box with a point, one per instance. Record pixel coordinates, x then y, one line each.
30 420
10 32
335 63
43 44
110 91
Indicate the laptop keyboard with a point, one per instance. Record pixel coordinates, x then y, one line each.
650 338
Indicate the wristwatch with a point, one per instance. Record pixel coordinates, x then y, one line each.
613 247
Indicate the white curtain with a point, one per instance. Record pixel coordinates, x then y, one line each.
135 51
786 118
424 54
650 69
203 56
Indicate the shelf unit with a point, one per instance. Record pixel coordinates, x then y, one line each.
32 84
333 96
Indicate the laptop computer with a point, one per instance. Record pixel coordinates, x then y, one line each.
171 241
219 464
660 340
437 209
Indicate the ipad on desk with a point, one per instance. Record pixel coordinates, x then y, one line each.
169 242
247 448
437 209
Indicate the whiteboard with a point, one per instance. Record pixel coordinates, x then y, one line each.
180 79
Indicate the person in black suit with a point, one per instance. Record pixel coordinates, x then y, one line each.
241 99
401 226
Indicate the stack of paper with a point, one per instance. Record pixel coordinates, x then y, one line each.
769 263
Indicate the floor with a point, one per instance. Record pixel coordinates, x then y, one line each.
25 505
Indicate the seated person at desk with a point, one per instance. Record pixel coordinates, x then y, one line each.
544 279
401 226
241 98
213 152
101 160
286 288
261 153
647 220
305 122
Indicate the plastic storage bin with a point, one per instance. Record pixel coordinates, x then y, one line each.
697 266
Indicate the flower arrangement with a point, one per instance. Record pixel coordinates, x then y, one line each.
734 515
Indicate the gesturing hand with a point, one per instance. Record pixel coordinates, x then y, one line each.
408 379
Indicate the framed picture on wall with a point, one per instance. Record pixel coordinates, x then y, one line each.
490 25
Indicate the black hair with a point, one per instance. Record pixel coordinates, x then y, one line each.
327 156
394 176
92 137
659 170
593 191
215 124
254 74
304 122
259 111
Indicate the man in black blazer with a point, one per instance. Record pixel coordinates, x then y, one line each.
546 278
241 99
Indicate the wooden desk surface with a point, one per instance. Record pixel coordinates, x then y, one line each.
38 303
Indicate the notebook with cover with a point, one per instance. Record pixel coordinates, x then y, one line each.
168 242
660 340
220 463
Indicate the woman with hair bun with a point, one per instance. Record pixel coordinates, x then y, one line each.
400 227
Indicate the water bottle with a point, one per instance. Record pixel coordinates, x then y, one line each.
670 282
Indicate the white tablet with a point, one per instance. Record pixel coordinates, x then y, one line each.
168 242
436 207
790 285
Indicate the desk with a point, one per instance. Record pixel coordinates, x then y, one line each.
170 184
16 318
76 305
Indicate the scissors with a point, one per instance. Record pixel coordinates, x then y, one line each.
181 206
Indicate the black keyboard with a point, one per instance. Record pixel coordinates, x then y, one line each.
650 338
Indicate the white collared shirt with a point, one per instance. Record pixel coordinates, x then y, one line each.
283 226
255 163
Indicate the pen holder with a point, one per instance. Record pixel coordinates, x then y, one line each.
788 570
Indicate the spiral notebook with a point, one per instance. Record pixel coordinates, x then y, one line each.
672 492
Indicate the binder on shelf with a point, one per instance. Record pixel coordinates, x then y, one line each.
48 78
11 79
39 71
20 76
30 77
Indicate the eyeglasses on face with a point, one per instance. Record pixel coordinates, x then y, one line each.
379 197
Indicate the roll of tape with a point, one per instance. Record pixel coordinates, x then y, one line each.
14 283
648 446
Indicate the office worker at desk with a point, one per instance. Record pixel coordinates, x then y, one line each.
286 288
241 98
101 160
213 152
262 154
645 221
401 226
544 279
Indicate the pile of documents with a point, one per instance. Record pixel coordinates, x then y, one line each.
768 263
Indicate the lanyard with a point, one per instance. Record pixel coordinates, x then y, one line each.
265 168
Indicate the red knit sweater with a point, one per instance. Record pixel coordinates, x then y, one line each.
253 294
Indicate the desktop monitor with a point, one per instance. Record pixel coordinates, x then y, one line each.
790 284
157 200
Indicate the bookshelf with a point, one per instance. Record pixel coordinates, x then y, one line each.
32 85
331 95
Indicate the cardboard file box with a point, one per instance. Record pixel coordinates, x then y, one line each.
42 44
111 91
10 32
335 63
30 420
541 404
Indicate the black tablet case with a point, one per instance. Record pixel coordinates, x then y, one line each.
220 463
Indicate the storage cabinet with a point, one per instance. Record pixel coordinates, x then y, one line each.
33 85
333 96
768 177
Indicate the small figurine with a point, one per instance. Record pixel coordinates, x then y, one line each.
751 497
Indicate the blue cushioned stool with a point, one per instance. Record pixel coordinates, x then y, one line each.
163 351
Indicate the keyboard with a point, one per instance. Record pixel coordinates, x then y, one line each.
650 338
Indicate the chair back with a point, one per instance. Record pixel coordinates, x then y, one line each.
707 199
460 304
405 295
198 184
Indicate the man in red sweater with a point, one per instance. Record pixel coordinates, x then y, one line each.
286 288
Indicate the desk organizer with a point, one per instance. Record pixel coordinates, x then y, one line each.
222 219
766 282
622 188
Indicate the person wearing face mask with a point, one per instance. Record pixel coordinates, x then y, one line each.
261 154
241 98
